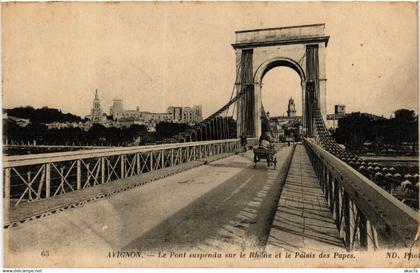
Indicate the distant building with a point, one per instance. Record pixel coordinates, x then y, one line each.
332 119
186 114
61 125
154 118
126 118
96 113
134 114
116 108
198 113
176 113
22 122
291 109
282 127
340 110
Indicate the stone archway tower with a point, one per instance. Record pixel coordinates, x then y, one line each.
301 48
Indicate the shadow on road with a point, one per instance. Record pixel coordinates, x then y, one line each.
228 215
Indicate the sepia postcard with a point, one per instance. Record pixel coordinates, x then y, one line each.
210 134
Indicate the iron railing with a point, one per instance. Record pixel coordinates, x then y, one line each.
366 216
35 177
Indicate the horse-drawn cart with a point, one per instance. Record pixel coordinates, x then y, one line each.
265 153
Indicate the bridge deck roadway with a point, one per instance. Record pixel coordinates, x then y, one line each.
224 204
303 221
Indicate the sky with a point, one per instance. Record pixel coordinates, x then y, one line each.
153 55
278 86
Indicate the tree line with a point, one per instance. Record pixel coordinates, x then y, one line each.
42 115
367 133
97 135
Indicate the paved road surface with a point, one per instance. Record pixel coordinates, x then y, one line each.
225 204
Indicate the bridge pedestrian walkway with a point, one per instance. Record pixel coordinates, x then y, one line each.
38 209
303 221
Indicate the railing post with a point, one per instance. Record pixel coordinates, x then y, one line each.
122 166
102 170
138 163
326 184
320 174
347 228
337 203
326 181
62 178
187 154
78 175
331 197
28 174
162 154
7 190
177 156
363 231
172 157
48 180
151 161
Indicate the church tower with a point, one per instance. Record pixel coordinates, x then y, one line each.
291 108
96 112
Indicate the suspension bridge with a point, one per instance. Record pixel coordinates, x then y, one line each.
199 189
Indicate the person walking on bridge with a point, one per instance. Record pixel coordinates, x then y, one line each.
265 140
243 143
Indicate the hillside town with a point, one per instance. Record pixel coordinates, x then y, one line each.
283 127
118 117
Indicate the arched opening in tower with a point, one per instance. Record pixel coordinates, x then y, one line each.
281 96
278 86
